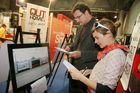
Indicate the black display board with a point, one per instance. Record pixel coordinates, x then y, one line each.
28 63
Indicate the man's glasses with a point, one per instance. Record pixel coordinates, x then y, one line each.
78 17
98 25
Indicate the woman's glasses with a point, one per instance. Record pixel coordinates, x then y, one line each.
98 25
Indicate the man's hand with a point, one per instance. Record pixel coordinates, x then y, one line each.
67 48
75 54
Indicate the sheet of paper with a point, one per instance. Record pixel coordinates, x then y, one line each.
68 65
39 86
62 50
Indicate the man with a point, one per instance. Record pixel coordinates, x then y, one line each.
85 51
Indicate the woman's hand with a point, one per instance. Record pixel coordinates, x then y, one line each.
75 74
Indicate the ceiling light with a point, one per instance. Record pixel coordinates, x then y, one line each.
115 17
21 1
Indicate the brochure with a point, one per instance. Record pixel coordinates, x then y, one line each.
62 50
39 86
68 65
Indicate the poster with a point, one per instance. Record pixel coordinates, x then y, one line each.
59 29
36 18
130 56
6 21
22 18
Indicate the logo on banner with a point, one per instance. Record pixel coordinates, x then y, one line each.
59 37
37 14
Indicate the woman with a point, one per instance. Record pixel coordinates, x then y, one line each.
106 73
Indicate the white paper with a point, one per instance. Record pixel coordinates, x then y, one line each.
62 50
68 65
39 86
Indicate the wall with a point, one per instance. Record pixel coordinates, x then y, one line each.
131 18
130 22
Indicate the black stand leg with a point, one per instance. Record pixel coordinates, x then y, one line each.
58 59
8 83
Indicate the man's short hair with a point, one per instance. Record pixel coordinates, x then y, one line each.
81 7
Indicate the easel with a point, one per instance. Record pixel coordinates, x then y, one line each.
20 32
58 58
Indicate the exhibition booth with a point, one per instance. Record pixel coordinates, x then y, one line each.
30 61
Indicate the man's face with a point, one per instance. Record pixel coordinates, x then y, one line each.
80 17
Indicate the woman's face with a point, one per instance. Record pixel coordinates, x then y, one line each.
100 39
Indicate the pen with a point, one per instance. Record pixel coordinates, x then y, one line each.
84 70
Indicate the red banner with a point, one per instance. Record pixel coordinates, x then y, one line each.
59 29
135 67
